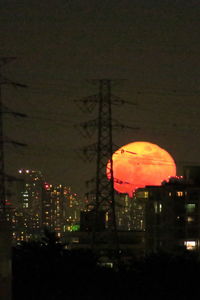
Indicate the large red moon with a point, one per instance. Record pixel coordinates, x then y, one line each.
139 164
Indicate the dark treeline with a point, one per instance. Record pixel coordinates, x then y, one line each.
45 270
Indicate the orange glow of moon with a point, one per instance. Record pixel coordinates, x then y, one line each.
139 164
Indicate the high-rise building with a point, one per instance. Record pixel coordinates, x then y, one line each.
72 209
61 209
138 210
130 212
39 205
47 207
27 214
53 208
171 215
123 212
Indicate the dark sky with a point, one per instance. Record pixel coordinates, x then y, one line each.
152 47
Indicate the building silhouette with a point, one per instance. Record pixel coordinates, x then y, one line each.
171 213
165 217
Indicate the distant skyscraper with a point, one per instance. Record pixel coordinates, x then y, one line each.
72 207
41 205
47 207
61 209
27 216
53 208
138 207
123 212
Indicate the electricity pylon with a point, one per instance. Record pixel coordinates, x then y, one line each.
5 230
3 61
104 196
105 187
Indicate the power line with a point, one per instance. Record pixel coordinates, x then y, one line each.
5 238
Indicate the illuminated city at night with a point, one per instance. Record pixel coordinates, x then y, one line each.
99 149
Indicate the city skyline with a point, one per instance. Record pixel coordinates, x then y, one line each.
150 48
146 54
36 205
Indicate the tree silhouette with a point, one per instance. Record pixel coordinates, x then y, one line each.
44 269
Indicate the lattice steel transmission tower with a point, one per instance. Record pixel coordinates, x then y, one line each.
5 239
3 61
105 199
104 195
5 230
5 110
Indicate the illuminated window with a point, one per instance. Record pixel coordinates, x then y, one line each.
157 207
75 240
190 207
142 194
190 245
75 227
179 194
190 219
106 264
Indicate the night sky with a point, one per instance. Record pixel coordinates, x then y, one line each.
150 47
